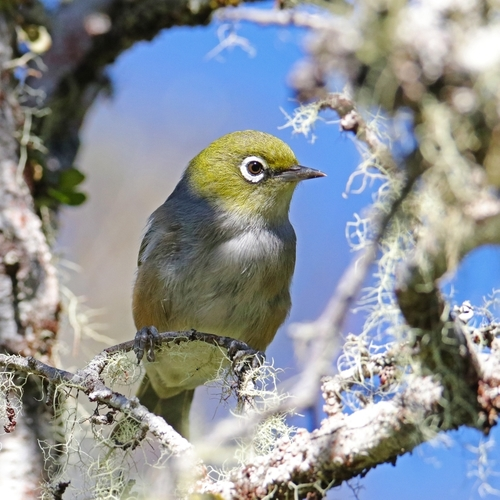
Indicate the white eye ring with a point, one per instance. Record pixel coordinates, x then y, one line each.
253 169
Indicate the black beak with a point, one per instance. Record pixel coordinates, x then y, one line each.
299 173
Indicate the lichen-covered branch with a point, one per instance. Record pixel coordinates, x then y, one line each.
29 298
345 446
351 120
442 346
349 445
88 381
439 202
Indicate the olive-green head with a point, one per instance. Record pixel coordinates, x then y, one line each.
248 172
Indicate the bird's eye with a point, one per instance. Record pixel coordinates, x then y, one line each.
253 169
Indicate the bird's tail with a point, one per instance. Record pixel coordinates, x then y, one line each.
175 410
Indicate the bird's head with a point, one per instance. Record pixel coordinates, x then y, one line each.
248 172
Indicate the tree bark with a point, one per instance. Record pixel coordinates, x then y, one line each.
29 296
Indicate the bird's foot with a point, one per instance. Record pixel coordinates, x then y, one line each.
146 338
246 362
244 357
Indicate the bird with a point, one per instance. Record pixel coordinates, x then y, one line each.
217 257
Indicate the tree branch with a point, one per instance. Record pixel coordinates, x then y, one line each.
443 347
349 445
345 446
275 17
87 36
88 381
29 294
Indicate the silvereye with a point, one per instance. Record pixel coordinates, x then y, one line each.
218 257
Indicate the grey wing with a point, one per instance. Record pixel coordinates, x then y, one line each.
144 243
158 248
161 235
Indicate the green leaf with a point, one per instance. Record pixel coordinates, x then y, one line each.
76 198
67 197
70 178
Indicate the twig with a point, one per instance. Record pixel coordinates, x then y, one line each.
288 17
186 336
88 381
352 121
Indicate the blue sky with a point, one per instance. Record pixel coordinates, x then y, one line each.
170 102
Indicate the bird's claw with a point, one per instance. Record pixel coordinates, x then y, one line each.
146 338
244 358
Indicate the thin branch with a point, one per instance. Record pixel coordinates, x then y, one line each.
352 121
188 336
88 381
287 17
